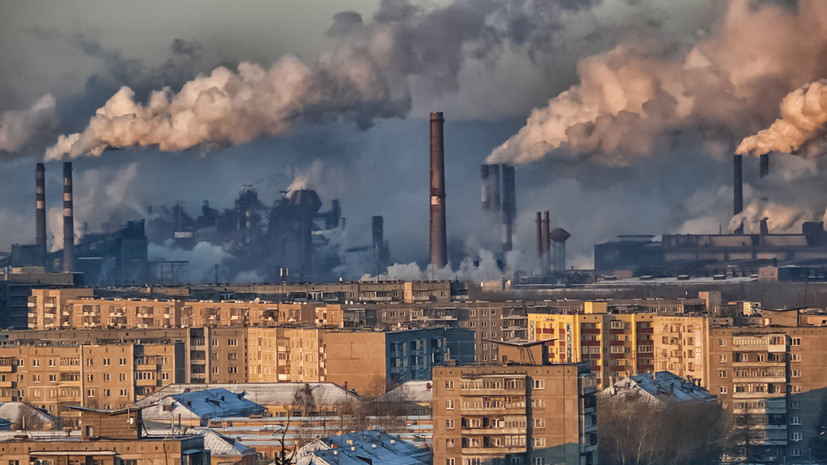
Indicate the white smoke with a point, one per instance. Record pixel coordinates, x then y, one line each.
30 128
202 260
803 116
482 268
631 97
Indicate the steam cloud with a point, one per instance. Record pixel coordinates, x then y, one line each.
632 96
21 130
803 116
367 75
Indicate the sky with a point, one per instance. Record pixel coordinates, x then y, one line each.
620 116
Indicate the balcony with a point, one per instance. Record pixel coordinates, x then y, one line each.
145 382
8 384
493 431
497 451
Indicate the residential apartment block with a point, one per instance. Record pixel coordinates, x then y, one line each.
514 414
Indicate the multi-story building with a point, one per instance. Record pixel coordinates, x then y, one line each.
772 380
619 345
514 414
53 377
16 286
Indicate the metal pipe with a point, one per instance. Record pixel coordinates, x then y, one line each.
40 211
438 239
68 220
738 190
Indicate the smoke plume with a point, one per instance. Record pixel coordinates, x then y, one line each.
803 116
29 129
367 74
632 98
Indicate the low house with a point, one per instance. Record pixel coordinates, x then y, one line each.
360 448
197 408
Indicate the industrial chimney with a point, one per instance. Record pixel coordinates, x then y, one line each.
509 206
40 211
544 231
764 165
439 241
378 242
68 220
539 222
738 191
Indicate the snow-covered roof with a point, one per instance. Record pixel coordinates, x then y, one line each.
202 404
411 391
222 446
662 387
362 447
263 393
14 412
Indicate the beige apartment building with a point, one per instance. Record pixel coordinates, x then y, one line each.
619 345
515 414
772 379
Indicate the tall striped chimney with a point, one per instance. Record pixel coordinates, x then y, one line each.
40 211
68 220
439 241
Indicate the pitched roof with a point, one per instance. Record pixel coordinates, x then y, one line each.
263 393
662 387
204 404
362 447
222 446
411 391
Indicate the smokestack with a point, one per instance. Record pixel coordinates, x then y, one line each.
509 206
486 204
378 241
68 220
765 165
40 211
439 241
738 191
546 240
539 222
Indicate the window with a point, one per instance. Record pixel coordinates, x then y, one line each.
215 370
122 376
232 370
538 460
796 388
35 362
123 392
795 404
795 436
90 393
36 378
107 392
795 420
449 442
449 404
449 424
450 461
106 362
722 373
90 362
90 377
539 442
722 358
722 342
539 422
232 342
51 362
123 362
796 341
449 384
52 378
795 373
539 384
795 357
723 389
107 377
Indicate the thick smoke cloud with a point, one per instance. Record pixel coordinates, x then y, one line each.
803 116
23 131
633 97
367 75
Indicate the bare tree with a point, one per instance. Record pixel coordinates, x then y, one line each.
637 432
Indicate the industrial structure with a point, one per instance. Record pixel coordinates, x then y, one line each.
498 195
438 235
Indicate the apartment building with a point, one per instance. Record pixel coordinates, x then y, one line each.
772 380
53 377
619 345
514 414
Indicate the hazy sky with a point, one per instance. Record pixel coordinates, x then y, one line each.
489 65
